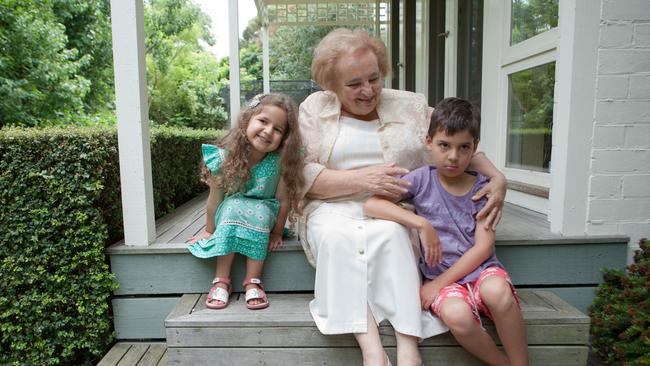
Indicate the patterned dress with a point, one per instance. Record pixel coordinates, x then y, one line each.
244 219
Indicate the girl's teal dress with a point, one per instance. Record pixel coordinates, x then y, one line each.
245 219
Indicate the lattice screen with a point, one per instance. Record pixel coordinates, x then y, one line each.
324 12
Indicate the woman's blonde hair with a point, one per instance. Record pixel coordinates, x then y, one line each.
235 170
338 42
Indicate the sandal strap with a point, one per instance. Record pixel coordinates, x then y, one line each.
219 294
225 280
255 293
253 281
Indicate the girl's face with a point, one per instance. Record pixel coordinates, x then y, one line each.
266 129
451 154
358 84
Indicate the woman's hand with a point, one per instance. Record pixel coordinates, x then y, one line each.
428 293
430 243
382 180
203 235
275 241
495 191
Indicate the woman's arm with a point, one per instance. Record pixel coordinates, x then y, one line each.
379 179
215 197
474 257
495 190
275 238
384 209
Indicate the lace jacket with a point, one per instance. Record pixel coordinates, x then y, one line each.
403 124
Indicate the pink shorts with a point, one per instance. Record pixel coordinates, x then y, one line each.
471 294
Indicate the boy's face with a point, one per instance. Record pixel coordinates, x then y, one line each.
451 154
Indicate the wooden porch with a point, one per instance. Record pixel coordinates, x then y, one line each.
161 286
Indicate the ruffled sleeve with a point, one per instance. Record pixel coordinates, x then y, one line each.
213 156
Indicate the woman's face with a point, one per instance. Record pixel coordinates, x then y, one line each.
358 84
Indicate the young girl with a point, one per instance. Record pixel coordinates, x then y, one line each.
463 275
255 177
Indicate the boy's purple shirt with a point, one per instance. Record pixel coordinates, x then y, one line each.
453 217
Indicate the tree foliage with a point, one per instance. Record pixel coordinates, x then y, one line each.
183 79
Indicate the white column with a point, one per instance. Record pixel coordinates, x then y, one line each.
133 121
451 47
575 84
233 29
266 75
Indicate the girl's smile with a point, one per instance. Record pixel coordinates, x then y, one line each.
265 130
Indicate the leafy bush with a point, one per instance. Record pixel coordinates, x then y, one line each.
620 314
60 199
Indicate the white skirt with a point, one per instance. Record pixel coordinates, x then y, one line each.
361 263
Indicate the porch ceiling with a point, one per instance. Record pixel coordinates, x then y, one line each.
323 12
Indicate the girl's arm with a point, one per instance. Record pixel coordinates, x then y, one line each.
215 197
495 190
479 253
383 209
275 238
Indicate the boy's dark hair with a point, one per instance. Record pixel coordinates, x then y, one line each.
455 114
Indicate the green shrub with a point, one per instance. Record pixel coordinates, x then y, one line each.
59 208
620 314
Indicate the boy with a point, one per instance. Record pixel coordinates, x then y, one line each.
463 277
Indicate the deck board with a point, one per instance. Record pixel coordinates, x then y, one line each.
136 354
518 226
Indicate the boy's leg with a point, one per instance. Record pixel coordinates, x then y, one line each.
370 343
460 319
407 350
254 270
497 295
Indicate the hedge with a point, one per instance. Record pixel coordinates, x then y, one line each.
620 314
60 207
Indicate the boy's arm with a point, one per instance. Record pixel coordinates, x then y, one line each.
215 197
481 251
275 238
383 209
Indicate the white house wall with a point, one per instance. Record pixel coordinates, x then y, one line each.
619 189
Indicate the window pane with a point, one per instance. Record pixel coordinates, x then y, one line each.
530 118
531 17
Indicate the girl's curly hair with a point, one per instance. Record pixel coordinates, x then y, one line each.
235 169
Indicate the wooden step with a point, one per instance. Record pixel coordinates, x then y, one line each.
285 334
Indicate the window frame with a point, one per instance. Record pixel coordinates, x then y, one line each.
532 52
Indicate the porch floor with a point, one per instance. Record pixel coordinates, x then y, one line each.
518 226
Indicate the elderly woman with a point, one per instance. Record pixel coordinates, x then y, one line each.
359 140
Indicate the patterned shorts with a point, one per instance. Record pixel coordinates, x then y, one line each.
471 294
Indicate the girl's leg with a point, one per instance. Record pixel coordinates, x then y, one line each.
458 316
254 270
498 298
370 343
407 350
224 264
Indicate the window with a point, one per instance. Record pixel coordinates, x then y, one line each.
519 65
530 118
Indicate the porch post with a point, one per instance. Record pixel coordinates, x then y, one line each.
132 113
233 29
575 75
265 59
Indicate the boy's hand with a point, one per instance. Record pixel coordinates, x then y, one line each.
428 294
275 241
204 235
430 243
